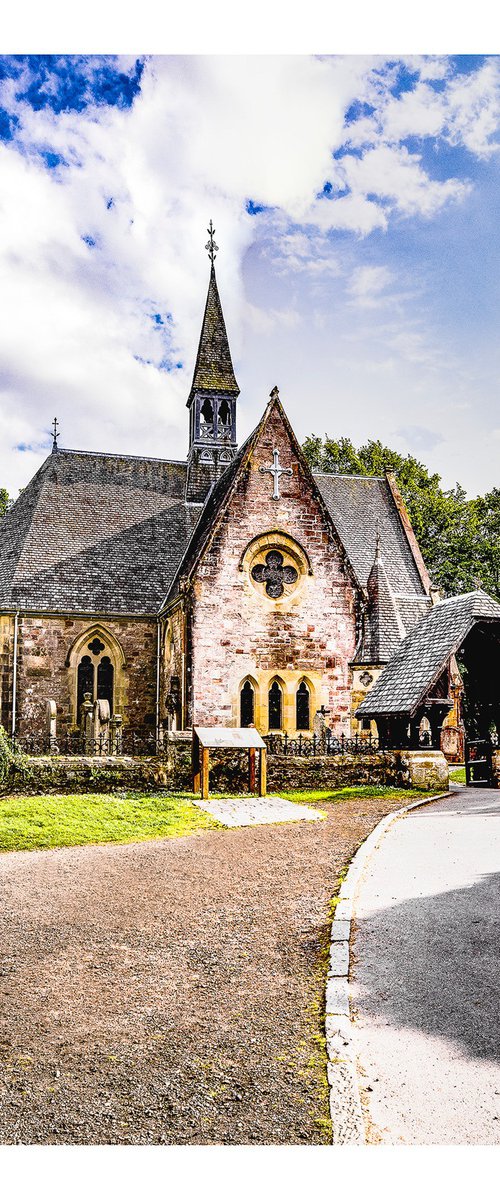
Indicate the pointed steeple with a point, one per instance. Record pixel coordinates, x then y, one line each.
214 369
212 398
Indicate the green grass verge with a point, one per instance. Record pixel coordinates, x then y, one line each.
362 792
457 774
43 822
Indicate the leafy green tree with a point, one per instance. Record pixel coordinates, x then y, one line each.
487 513
459 538
4 501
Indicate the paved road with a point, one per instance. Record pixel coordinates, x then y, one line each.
426 978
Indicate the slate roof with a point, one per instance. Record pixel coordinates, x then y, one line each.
109 533
422 656
213 369
359 506
95 532
358 503
384 628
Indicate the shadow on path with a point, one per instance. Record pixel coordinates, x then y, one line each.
433 965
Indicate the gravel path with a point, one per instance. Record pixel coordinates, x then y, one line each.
171 991
426 981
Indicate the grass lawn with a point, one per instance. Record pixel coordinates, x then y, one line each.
44 822
336 795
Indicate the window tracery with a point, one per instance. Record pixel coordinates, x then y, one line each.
274 575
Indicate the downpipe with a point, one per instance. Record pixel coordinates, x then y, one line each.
14 675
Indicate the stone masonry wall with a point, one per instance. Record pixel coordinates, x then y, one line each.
228 773
44 643
237 631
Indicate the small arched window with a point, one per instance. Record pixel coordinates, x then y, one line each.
225 413
207 412
275 706
303 706
247 705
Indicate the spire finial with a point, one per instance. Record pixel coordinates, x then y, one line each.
55 433
211 245
274 395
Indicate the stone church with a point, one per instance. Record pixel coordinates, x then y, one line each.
234 588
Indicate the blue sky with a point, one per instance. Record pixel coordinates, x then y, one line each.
355 200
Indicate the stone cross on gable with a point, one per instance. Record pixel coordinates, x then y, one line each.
276 471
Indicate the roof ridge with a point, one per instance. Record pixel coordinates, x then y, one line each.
349 475
180 462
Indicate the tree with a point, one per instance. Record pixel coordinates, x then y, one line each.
459 538
4 501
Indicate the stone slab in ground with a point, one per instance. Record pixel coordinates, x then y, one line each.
238 810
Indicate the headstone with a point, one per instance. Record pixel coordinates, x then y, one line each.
115 734
101 719
320 726
50 726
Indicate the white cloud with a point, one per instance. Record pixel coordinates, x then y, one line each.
204 135
396 175
367 285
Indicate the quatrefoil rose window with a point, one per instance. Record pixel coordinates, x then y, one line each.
274 574
275 565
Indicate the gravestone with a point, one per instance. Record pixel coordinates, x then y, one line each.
51 726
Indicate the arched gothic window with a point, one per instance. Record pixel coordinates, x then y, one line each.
302 707
275 706
247 704
96 663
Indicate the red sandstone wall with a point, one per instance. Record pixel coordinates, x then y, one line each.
235 632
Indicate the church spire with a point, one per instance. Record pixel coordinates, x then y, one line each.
214 369
213 395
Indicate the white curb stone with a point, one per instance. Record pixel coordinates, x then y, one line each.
341 931
343 910
337 997
339 958
345 1102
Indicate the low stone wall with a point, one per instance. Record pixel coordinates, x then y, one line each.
399 768
52 773
425 769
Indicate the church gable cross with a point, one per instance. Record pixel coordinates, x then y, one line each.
276 471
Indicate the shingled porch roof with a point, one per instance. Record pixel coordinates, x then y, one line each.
424 654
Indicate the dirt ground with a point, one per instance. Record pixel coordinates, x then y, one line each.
171 992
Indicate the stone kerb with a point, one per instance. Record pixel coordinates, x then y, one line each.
348 1127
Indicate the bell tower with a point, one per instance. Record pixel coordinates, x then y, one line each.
213 396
